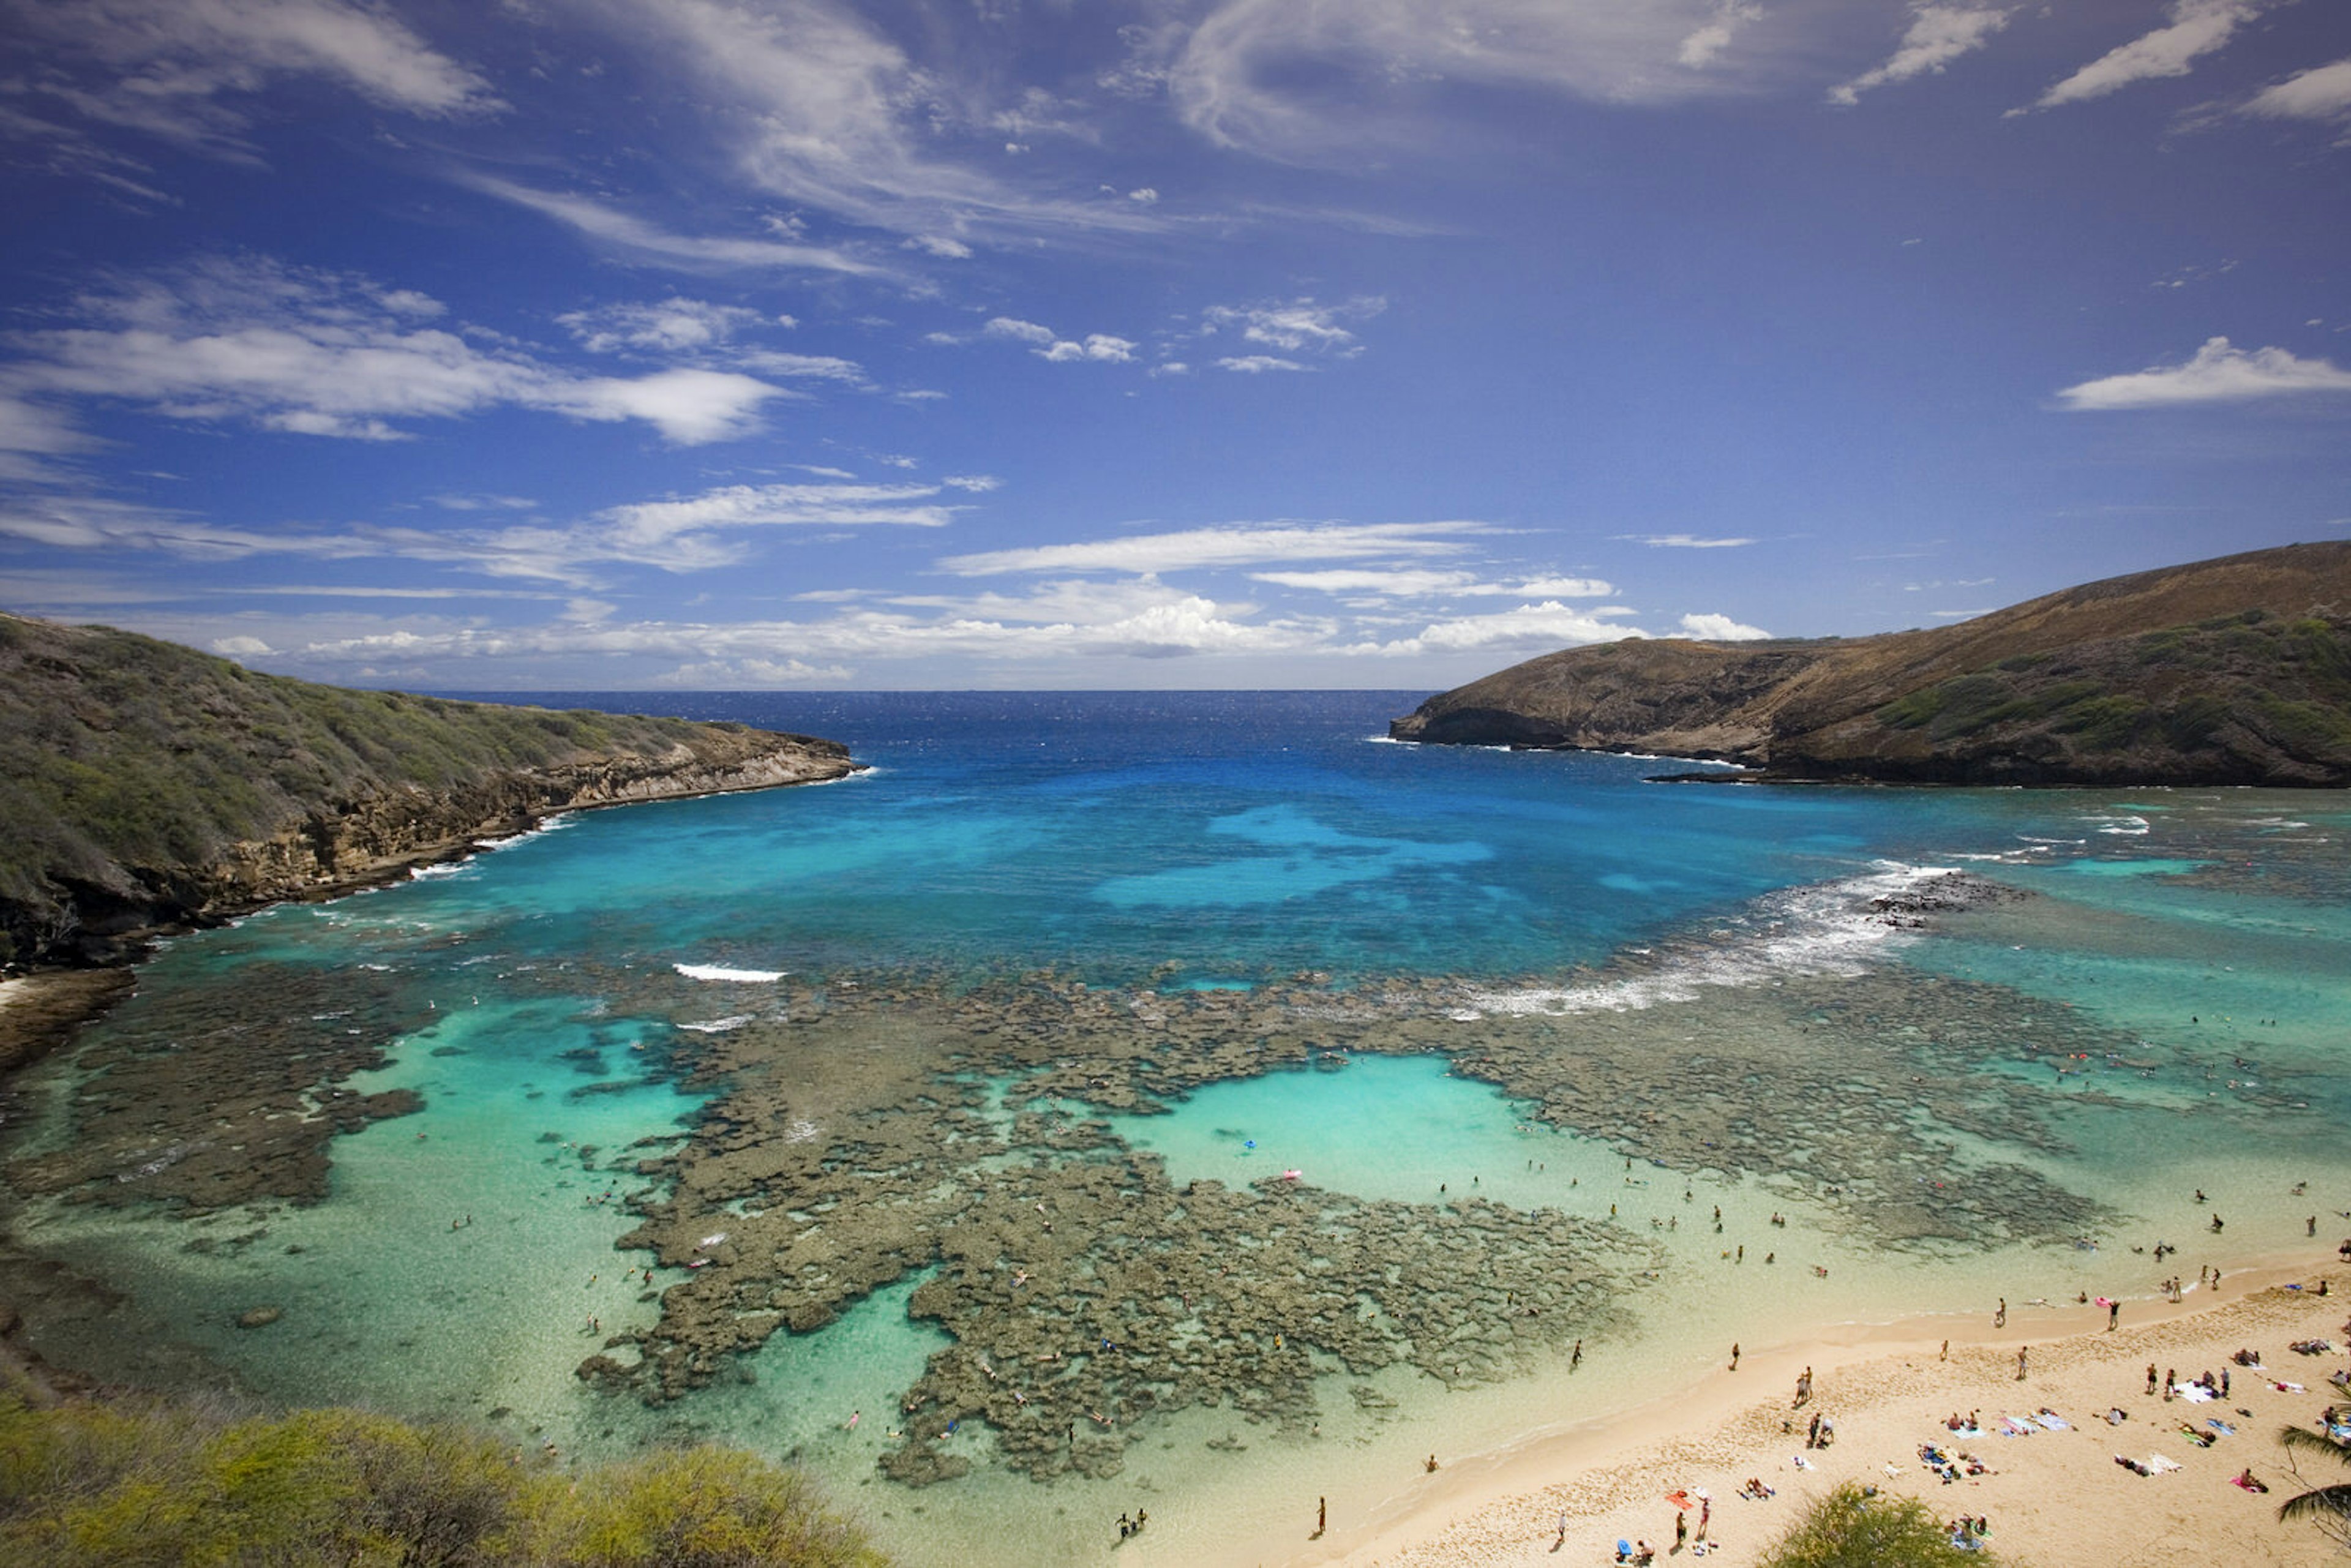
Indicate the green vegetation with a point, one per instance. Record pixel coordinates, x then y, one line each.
2228 683
129 767
118 1483
1850 1529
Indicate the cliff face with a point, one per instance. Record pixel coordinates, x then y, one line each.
2235 671
145 785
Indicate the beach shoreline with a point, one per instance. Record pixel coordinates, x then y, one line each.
2059 1498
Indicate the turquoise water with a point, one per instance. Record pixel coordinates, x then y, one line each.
1220 847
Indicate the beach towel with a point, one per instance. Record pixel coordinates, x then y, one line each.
2224 1426
2160 1465
1802 1463
1966 1431
2285 1387
2016 1427
2195 1393
2054 1423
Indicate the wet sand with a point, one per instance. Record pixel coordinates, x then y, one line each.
2056 1498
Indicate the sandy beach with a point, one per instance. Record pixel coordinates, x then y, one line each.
2056 1497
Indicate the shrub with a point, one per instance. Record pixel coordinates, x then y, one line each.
120 1483
1850 1529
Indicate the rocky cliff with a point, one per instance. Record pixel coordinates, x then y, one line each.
2234 671
144 785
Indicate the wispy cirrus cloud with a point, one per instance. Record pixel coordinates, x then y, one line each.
189 70
1307 82
641 240
2197 29
1228 544
1406 582
817 105
2216 373
1937 34
677 535
770 505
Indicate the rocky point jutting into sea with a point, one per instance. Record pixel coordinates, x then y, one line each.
2234 671
1185 1101
146 785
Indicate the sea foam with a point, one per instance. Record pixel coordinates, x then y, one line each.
1823 928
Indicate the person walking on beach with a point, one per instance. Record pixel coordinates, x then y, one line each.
2150 1377
1804 1387
1705 1515
1681 1529
1734 1355
2114 1314
2000 1317
2020 1352
1322 1516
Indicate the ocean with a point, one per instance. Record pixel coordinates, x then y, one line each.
1191 1102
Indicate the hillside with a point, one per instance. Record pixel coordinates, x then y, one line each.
2234 671
145 784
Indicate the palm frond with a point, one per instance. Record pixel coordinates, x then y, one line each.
2324 1503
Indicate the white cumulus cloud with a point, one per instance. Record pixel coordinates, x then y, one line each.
2216 373
317 353
1549 624
2323 92
1295 325
1721 628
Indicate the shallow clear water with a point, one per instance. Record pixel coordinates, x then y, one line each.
1216 845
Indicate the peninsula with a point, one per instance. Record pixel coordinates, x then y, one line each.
2232 671
148 786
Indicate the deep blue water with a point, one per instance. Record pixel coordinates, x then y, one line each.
1240 834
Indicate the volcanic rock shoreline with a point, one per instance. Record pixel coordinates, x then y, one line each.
149 788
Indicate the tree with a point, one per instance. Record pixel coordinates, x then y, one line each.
2328 1507
1850 1528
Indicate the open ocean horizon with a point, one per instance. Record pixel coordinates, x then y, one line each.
1193 1101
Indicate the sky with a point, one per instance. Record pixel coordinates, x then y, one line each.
527 345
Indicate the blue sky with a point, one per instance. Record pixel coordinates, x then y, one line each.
528 344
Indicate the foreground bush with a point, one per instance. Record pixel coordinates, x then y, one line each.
135 1483
1850 1529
